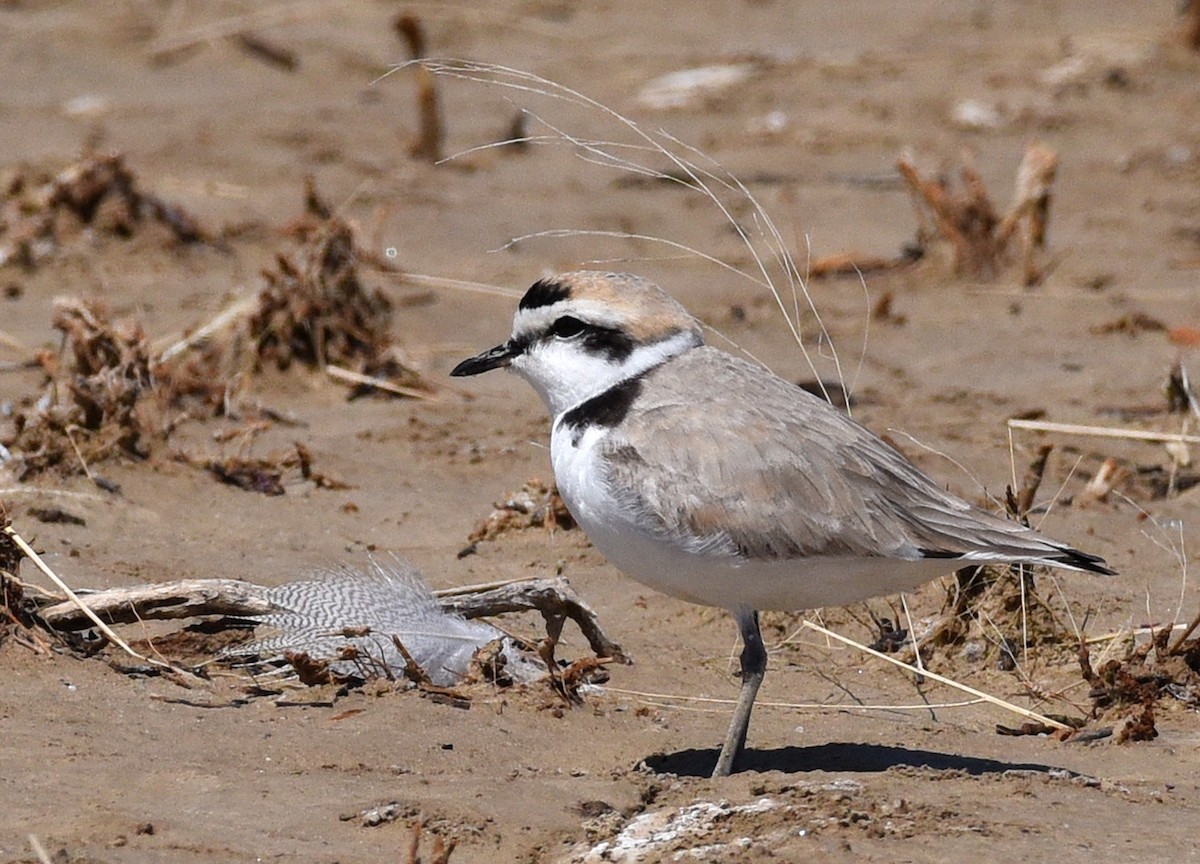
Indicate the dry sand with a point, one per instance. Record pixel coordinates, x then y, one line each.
111 767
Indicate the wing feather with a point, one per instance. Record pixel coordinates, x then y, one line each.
777 473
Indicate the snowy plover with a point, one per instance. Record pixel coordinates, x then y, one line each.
709 478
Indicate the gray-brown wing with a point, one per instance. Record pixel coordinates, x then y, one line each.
743 462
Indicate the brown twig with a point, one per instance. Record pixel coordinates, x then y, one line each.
853 263
186 598
1178 644
441 849
551 597
415 673
428 145
268 52
1191 25
1031 481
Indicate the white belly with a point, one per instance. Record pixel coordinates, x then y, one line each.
716 579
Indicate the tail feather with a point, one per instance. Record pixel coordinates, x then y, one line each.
1052 554
1086 561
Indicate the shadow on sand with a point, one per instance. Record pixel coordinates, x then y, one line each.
836 757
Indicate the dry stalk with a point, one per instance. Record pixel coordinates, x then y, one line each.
349 376
458 285
979 694
1022 503
166 50
1031 205
1191 24
9 341
74 598
231 314
1188 630
858 263
267 51
428 145
39 850
1103 431
721 704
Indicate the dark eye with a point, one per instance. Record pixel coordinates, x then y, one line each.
567 327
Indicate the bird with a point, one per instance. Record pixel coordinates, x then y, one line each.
708 477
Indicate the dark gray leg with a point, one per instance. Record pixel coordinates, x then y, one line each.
754 667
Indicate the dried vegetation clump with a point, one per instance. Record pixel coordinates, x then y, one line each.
1000 618
198 384
995 618
108 393
966 218
104 395
91 406
267 475
994 614
315 310
990 613
962 216
1153 672
1174 472
99 193
534 505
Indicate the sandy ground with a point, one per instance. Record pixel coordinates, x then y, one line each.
111 767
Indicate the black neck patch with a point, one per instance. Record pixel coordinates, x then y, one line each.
544 292
606 410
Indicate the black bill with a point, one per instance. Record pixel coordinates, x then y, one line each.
494 358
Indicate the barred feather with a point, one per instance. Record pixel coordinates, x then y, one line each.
318 617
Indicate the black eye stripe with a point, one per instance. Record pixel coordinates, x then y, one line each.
615 345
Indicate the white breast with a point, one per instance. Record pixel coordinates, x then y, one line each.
722 580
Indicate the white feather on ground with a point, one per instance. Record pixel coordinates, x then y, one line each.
316 615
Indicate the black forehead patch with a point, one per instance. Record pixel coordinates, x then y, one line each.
607 409
544 292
